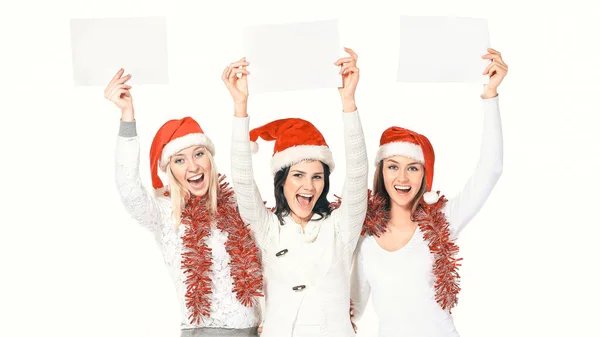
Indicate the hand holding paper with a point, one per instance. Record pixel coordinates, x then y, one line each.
497 70
235 77
350 75
118 92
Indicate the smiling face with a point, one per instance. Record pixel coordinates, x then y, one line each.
192 169
403 179
302 188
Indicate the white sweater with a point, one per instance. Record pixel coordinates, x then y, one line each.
401 282
154 214
318 257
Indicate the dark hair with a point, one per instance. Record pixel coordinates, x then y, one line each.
281 205
379 188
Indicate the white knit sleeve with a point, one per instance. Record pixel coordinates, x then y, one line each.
141 205
462 208
249 200
360 289
351 214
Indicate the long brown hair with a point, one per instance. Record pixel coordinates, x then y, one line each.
379 188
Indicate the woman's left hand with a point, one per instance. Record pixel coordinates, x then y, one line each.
350 74
497 70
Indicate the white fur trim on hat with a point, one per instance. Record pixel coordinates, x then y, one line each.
296 154
181 143
406 149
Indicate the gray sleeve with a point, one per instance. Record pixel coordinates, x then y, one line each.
127 129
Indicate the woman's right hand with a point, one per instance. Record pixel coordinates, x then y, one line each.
237 86
118 92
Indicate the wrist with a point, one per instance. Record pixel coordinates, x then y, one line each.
127 115
240 101
240 109
348 104
489 92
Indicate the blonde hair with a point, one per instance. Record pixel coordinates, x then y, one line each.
379 188
179 195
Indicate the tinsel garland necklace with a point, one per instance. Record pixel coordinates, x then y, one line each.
245 265
435 228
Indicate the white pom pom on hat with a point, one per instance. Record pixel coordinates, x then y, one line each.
431 197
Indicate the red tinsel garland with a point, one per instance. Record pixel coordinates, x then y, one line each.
377 216
435 228
333 205
436 231
246 269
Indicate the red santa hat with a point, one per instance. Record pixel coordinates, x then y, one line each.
174 136
397 141
295 140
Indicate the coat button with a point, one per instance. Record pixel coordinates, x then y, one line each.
281 252
300 287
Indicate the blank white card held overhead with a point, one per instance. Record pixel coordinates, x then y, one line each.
442 49
292 56
102 46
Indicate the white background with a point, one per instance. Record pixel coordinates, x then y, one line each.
74 264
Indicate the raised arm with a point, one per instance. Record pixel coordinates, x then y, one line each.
250 203
462 208
141 205
351 214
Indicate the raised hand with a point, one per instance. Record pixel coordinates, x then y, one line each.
350 75
237 84
118 92
496 70
235 77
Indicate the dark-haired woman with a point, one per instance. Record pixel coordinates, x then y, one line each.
307 246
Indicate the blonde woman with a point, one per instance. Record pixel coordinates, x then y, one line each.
206 247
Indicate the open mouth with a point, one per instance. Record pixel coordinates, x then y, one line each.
196 181
304 200
402 189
